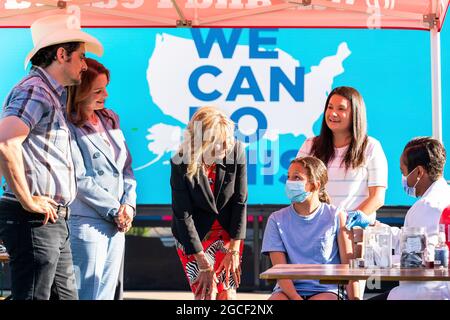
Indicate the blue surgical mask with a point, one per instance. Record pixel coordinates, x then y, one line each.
295 191
410 191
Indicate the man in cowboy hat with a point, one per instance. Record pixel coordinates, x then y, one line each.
36 161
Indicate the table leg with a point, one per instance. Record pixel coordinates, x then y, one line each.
340 286
340 291
1 279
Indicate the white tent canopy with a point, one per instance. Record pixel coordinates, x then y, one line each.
426 15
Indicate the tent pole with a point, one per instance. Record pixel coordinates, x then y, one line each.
436 86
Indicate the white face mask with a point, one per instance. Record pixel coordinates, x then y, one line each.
410 191
296 191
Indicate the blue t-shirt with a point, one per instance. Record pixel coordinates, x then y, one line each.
305 240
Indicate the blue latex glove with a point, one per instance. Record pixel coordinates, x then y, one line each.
357 218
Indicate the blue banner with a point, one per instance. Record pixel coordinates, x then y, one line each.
272 82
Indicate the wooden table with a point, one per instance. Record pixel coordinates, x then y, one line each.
341 274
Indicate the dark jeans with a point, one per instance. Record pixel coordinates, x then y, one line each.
40 257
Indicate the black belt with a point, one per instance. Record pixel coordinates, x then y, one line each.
63 211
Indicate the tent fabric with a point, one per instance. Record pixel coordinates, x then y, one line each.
398 14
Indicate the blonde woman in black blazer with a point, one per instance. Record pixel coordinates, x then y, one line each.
209 202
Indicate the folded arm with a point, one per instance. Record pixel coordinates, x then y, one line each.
13 132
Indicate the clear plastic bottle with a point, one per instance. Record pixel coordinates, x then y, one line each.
441 250
377 247
413 244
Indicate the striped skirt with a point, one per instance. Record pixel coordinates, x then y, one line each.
215 243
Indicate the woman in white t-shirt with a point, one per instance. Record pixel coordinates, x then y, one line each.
357 166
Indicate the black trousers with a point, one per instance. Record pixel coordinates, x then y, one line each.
40 257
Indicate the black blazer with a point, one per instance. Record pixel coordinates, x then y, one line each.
195 207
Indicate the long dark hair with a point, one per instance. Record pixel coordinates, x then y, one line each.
323 147
78 96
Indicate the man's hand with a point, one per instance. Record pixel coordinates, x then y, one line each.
43 205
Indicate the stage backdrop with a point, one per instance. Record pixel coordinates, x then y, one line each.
272 82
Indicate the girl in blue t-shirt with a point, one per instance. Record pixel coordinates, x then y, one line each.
309 231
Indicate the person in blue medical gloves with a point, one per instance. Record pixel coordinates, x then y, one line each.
356 163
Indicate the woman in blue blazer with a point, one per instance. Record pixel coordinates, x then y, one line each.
106 200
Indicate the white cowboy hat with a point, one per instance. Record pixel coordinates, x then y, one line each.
57 29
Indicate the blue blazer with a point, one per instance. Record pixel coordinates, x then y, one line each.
103 183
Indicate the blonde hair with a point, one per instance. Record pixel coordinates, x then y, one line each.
316 172
208 128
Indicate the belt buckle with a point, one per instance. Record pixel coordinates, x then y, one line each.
62 211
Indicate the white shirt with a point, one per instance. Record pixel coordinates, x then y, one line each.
426 212
349 188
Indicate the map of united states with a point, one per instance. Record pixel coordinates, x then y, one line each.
175 58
